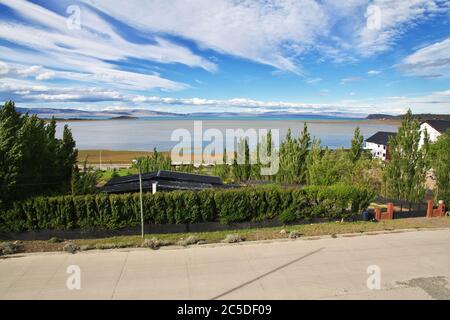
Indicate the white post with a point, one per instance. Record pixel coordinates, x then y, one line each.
142 209
154 187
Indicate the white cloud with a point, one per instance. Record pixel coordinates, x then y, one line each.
29 71
388 20
373 72
432 61
268 32
351 79
46 75
86 50
314 80
4 68
27 91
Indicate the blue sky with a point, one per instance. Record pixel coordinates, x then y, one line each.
251 56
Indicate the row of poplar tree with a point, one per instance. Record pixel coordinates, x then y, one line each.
305 161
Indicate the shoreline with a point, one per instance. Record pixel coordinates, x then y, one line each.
319 121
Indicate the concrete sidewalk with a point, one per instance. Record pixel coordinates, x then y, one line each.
413 265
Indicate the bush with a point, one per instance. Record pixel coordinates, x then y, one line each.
107 212
288 215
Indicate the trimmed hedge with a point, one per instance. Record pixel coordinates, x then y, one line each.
106 212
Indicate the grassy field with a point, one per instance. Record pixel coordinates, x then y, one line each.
304 231
110 157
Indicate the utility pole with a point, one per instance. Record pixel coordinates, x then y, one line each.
140 189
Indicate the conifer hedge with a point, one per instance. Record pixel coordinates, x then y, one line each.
107 212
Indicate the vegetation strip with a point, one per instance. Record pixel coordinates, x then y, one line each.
309 231
108 212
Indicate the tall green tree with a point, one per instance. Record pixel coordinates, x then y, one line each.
10 151
440 162
405 171
304 144
32 160
357 146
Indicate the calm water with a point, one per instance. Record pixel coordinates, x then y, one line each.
147 134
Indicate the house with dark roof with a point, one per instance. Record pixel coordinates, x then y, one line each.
434 128
162 180
378 144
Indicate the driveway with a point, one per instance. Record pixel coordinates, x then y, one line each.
408 265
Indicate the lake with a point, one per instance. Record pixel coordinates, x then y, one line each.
146 134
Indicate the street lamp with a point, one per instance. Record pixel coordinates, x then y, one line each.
136 162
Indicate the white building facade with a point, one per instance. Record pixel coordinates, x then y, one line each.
434 128
378 145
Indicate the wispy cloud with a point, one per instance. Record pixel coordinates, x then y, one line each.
374 72
432 61
351 79
87 50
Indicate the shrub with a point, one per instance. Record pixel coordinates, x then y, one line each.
288 215
107 212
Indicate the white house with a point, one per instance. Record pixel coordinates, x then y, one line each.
378 144
435 128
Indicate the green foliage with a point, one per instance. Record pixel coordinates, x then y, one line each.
440 160
157 161
32 160
357 146
405 172
85 181
107 212
327 167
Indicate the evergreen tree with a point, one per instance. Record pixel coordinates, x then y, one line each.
10 151
247 167
304 143
357 146
405 172
440 160
32 160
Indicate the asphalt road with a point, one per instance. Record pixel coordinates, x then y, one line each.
410 265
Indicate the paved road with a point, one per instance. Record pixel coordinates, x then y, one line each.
413 265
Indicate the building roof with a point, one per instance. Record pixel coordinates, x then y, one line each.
440 125
166 180
381 137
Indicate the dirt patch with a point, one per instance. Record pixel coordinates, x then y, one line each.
436 287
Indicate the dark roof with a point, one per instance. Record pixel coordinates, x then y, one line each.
440 125
381 137
182 176
167 180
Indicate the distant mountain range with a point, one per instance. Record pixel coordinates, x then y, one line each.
420 117
47 113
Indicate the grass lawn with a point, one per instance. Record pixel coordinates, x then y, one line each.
305 230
